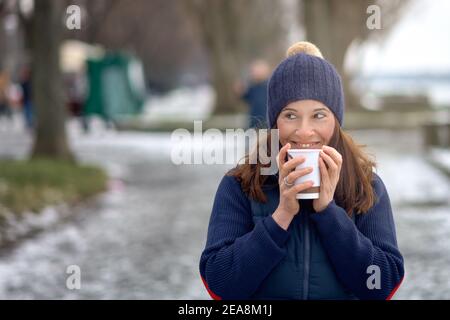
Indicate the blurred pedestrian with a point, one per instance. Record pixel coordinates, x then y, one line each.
27 103
255 95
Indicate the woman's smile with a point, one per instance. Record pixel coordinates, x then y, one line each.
309 145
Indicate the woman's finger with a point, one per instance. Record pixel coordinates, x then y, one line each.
292 164
324 176
329 161
294 175
334 154
299 188
282 155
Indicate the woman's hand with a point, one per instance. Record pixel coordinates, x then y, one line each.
330 164
289 205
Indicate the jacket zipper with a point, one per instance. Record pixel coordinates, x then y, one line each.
306 260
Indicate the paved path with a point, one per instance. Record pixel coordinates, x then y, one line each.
142 239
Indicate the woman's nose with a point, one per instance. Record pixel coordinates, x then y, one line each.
304 131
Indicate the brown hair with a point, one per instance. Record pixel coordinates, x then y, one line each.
354 190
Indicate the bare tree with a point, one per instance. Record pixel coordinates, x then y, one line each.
219 26
334 24
50 133
233 32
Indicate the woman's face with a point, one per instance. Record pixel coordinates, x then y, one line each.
306 124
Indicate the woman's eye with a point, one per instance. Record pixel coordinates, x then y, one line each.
290 116
319 115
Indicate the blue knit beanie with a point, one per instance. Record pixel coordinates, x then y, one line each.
304 75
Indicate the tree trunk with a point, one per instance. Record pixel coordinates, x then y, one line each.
325 27
218 23
223 77
235 33
223 62
48 102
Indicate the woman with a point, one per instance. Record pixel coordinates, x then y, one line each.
263 243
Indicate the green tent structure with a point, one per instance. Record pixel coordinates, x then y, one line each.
116 87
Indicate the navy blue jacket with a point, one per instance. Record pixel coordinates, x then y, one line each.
324 255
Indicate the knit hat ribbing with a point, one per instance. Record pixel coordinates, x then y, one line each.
304 75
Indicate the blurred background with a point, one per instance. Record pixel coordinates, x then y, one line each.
91 91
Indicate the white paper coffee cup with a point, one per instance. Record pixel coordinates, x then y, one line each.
311 160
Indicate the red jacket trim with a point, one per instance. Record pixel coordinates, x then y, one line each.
212 294
394 290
